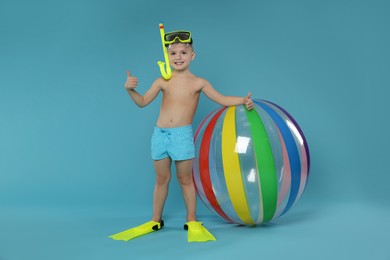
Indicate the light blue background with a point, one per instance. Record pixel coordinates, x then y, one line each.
74 150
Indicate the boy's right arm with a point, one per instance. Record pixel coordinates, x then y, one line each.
141 100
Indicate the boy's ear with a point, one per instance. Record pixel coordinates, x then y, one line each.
193 55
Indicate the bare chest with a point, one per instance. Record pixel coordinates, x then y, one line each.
180 91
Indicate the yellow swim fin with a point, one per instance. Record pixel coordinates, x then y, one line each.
197 232
137 231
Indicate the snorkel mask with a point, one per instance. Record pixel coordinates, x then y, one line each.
166 40
177 37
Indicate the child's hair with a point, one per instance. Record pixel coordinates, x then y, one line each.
178 42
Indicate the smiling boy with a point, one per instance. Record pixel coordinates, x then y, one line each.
172 139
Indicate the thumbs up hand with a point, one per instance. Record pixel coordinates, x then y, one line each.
249 102
131 82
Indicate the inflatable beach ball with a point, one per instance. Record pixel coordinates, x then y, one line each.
250 166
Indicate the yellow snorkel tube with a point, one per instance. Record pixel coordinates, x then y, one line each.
165 68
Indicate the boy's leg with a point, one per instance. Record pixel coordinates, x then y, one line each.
184 176
163 176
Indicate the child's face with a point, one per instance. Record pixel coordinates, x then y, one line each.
180 55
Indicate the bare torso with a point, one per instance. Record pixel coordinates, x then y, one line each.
179 101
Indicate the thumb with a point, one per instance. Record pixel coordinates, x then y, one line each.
128 73
249 95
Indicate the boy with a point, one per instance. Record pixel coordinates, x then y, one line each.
172 139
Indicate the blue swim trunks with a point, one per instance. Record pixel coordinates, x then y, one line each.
177 143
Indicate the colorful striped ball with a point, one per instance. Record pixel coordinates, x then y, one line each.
250 166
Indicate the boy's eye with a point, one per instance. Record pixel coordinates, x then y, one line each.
173 53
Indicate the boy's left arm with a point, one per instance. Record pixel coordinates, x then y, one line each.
214 95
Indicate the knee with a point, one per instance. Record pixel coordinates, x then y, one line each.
185 179
162 180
